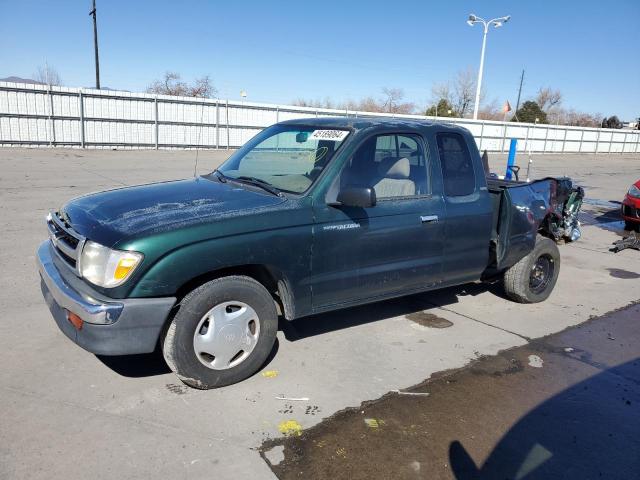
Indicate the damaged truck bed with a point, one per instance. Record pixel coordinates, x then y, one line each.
522 210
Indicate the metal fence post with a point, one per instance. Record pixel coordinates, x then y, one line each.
277 114
624 142
227 122
564 140
481 135
597 141
610 143
217 123
155 118
504 137
81 108
581 138
52 138
546 136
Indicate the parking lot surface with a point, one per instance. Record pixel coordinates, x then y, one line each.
65 413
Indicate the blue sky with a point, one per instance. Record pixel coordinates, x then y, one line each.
281 50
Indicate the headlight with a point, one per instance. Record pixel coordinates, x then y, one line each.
634 191
105 267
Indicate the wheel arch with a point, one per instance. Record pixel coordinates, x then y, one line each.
268 276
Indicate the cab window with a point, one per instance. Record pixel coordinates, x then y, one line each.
394 165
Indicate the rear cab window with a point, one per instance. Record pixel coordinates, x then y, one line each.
457 167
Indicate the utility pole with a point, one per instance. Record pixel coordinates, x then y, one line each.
95 43
519 93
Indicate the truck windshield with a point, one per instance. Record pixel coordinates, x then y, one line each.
287 157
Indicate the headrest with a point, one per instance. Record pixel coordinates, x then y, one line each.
397 168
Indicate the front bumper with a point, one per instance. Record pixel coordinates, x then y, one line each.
110 327
631 209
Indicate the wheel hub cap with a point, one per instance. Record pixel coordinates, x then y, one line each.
226 335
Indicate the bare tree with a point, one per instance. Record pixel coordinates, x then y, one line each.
392 101
491 111
47 75
171 84
464 89
441 91
459 93
571 117
548 98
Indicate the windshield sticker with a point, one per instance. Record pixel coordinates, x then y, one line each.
332 135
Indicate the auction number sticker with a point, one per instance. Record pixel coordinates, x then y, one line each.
332 135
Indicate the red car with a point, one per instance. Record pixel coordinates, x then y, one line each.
631 207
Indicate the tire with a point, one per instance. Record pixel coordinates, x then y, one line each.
630 226
211 322
533 278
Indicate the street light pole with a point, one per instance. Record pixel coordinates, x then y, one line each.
496 22
95 44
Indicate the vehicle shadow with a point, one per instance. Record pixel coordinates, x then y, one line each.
136 366
589 430
341 319
152 364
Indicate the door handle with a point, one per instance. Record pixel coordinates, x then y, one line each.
428 218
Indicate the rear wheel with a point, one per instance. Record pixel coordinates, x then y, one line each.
533 278
222 333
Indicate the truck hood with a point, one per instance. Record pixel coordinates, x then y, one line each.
111 216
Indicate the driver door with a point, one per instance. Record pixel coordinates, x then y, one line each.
390 249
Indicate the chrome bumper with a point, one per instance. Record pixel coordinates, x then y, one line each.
111 327
88 309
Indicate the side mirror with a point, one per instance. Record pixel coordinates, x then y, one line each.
362 197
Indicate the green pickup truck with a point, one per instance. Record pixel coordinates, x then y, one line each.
309 216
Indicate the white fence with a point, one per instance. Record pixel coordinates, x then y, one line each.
37 115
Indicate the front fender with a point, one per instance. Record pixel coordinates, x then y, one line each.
286 251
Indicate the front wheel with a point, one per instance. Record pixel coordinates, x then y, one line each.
223 332
533 278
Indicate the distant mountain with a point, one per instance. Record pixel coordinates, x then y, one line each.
20 80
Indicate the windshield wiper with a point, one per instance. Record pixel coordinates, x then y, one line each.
221 176
258 182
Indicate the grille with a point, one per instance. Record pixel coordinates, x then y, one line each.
66 242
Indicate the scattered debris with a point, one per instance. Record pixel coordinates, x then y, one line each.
569 349
631 241
610 337
415 394
290 428
275 455
312 410
287 409
373 422
535 361
293 399
270 373
341 452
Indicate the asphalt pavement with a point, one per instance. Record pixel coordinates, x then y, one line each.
65 413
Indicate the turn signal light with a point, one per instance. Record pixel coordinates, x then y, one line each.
75 320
